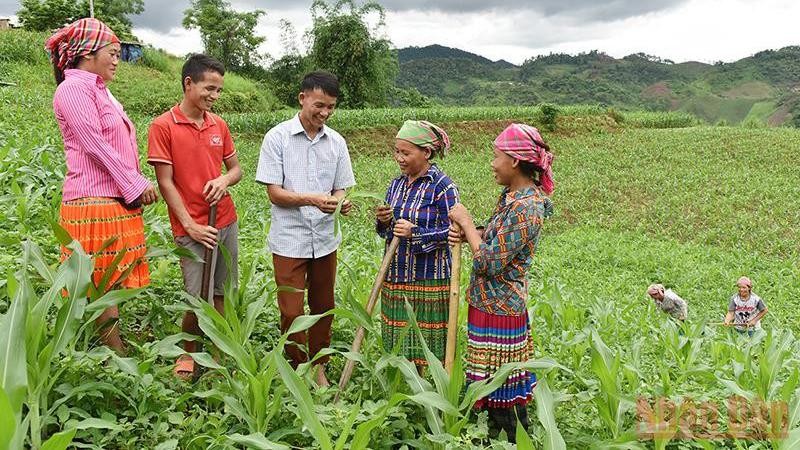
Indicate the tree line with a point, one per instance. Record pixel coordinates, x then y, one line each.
341 41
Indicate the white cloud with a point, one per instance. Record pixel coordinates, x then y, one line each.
177 41
495 35
180 41
704 30
697 31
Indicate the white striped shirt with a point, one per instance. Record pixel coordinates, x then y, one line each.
99 140
291 159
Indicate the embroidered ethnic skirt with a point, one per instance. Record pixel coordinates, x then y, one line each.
492 341
429 300
94 220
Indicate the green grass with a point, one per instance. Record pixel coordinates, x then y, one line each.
752 89
634 206
160 60
573 118
710 107
146 88
692 207
761 111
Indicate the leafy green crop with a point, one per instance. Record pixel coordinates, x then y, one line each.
640 198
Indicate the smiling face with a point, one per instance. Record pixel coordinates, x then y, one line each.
505 168
411 159
744 290
103 62
205 91
316 107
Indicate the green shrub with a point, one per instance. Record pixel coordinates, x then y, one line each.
156 59
409 98
23 47
145 91
549 115
616 115
752 122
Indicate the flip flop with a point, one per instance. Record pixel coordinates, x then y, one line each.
184 367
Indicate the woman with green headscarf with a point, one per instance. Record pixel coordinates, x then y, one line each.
417 204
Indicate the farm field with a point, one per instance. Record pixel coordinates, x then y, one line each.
640 198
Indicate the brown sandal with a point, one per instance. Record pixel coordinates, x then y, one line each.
184 367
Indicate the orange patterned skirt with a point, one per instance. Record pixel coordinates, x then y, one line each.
92 221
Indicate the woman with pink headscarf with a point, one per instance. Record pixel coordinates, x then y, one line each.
104 188
745 308
498 328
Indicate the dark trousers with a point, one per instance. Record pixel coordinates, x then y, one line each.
317 276
506 419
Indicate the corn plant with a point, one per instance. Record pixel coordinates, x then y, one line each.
684 344
617 227
610 400
545 411
570 317
444 394
31 349
758 375
255 392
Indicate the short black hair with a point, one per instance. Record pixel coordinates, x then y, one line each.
196 65
320 79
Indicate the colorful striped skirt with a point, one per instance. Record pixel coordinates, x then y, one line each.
493 341
92 221
429 300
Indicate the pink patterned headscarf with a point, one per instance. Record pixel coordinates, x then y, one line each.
523 142
79 38
744 281
655 289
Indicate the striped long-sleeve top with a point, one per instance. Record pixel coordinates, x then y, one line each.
425 202
99 140
499 283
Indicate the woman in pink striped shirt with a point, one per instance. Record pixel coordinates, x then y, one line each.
104 189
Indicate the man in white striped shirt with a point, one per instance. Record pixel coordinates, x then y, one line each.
306 167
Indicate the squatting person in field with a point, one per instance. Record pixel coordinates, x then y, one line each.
668 301
104 188
745 308
188 145
417 204
306 167
498 328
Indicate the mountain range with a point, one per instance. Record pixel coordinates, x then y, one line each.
763 88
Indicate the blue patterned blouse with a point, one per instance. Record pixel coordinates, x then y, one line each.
425 203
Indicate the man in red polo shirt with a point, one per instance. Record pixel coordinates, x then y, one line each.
188 146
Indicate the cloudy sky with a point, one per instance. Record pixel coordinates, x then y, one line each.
681 30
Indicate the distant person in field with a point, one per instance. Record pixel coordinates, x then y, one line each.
417 204
668 301
188 145
104 188
498 327
745 308
306 167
